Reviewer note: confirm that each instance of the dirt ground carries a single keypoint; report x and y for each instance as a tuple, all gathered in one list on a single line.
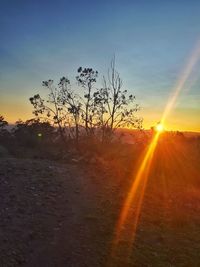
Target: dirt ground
[(61, 214), (48, 215)]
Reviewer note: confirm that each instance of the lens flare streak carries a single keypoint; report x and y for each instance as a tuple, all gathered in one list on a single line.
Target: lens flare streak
[(140, 180), (181, 82), (139, 183)]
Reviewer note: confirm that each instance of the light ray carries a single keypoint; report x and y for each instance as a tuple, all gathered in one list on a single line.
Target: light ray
[(181, 82), (139, 183)]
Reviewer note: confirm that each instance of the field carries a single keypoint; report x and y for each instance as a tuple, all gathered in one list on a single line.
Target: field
[(64, 213)]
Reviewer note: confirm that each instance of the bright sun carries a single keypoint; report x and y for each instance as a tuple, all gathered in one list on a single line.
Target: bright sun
[(159, 127)]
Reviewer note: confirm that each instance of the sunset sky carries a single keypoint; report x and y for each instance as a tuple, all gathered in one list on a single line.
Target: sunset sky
[(151, 40)]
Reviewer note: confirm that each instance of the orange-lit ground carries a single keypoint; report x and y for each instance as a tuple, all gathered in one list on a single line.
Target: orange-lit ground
[(165, 186), (135, 196)]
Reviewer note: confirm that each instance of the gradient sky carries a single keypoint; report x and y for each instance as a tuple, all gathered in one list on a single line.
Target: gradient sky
[(152, 41)]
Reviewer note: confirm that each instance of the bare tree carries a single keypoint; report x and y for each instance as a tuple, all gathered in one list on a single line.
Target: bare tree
[(117, 108)]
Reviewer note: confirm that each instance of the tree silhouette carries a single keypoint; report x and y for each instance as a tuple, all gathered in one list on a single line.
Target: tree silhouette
[(51, 108), (97, 110), (70, 101), (117, 108), (3, 122), (87, 78)]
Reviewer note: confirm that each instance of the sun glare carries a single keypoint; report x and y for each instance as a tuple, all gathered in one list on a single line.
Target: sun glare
[(159, 128)]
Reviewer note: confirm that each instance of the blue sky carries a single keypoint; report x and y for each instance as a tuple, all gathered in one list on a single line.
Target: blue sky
[(151, 40)]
